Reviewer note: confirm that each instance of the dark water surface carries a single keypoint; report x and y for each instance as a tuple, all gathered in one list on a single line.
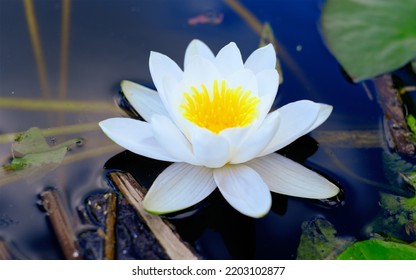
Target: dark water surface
[(80, 53)]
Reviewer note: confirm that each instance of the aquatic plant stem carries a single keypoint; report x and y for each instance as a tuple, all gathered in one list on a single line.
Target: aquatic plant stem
[(50, 105)]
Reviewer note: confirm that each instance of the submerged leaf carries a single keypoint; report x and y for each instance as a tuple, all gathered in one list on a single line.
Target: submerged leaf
[(370, 37), (378, 250), (396, 218), (32, 155), (319, 241)]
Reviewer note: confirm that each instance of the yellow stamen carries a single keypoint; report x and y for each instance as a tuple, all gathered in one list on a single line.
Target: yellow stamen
[(224, 108)]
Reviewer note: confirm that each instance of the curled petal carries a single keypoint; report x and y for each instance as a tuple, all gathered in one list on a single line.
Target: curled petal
[(324, 112), (244, 189), (197, 48), (261, 59), (178, 187), (296, 119), (135, 136), (285, 176), (144, 100), (228, 59)]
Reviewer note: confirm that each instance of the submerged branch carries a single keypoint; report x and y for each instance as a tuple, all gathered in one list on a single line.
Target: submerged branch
[(110, 227), (349, 139), (4, 251), (60, 224), (163, 231), (394, 120)]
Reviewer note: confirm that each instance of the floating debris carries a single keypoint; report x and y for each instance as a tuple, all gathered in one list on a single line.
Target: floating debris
[(33, 157), (209, 17)]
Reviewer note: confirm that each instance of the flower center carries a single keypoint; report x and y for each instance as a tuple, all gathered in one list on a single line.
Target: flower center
[(224, 108)]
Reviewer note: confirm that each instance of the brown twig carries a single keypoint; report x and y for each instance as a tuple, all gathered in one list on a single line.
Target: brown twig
[(394, 118), (60, 224), (110, 227), (163, 231), (4, 252)]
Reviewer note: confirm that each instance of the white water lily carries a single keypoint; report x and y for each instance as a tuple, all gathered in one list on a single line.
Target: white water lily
[(213, 121)]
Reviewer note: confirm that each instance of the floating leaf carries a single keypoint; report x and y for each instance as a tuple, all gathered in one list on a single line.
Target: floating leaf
[(319, 241), (370, 37), (378, 250), (32, 155)]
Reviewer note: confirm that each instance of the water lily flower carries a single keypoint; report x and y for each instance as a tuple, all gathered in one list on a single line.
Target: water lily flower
[(213, 121)]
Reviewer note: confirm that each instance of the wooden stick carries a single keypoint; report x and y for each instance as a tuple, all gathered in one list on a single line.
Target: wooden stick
[(394, 120), (60, 224), (4, 251), (163, 231), (110, 227)]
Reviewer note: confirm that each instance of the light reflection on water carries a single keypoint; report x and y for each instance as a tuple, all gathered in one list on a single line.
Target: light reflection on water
[(104, 42)]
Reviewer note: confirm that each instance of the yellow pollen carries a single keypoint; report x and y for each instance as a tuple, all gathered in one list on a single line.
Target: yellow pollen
[(224, 108)]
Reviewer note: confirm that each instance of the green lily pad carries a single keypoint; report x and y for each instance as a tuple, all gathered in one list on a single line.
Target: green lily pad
[(34, 157), (370, 37), (378, 250), (319, 241)]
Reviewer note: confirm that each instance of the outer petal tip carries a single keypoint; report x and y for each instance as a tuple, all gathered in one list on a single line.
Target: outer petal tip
[(244, 189), (178, 187)]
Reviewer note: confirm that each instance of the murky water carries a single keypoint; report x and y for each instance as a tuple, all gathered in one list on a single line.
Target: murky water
[(78, 51)]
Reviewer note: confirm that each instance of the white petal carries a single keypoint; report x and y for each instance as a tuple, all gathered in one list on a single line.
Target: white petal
[(261, 59), (244, 78), (161, 66), (135, 136), (268, 83), (144, 100), (258, 140), (228, 59), (288, 177), (199, 48), (211, 150), (295, 121), (324, 112), (172, 139), (200, 71), (244, 189), (178, 187)]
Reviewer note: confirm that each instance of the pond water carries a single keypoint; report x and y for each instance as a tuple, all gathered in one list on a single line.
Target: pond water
[(74, 54)]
